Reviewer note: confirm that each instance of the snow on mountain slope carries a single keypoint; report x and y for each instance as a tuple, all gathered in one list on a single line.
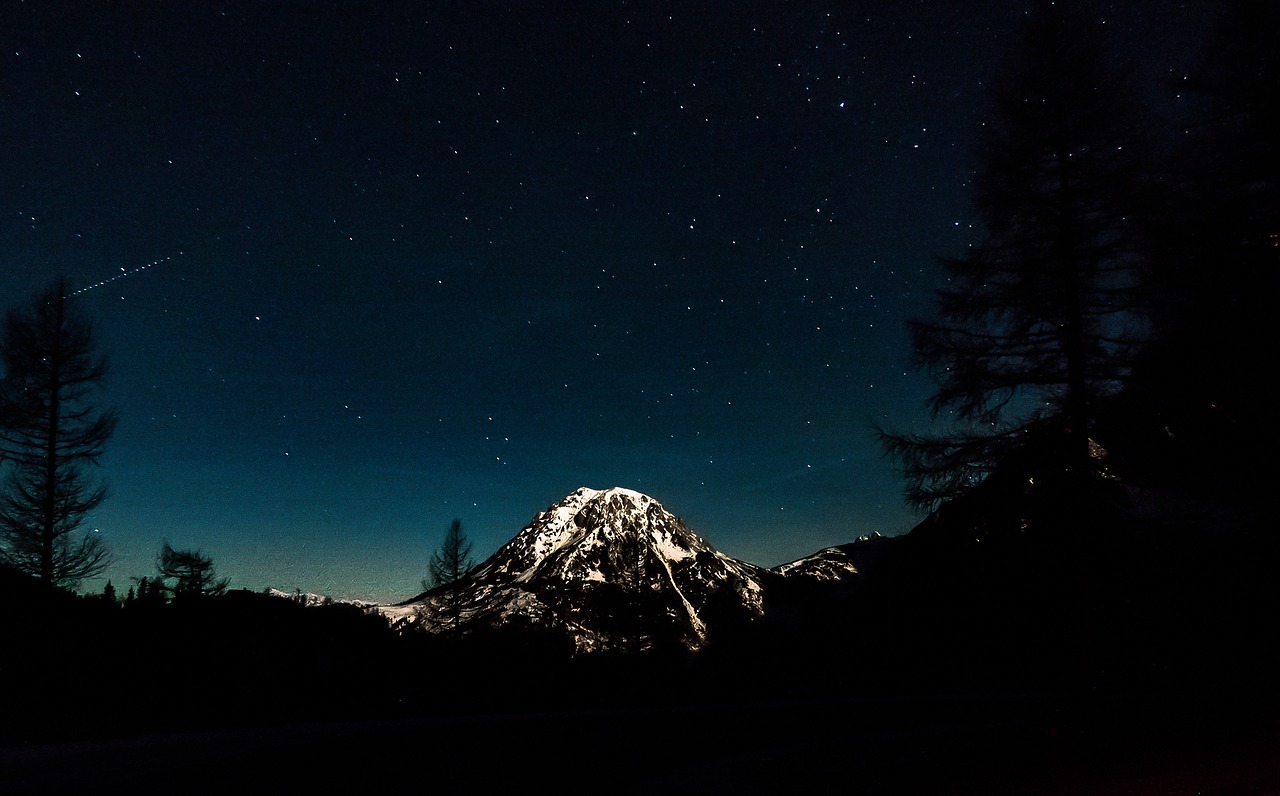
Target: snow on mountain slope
[(311, 599), (612, 567), (832, 563)]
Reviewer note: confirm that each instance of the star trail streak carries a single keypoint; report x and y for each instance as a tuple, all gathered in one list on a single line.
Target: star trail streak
[(122, 275)]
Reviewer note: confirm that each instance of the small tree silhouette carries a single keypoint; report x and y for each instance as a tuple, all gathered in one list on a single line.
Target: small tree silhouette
[(632, 558), (449, 563), (192, 573)]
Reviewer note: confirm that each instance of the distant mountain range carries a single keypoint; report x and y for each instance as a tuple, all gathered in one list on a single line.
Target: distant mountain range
[(612, 569), (311, 599)]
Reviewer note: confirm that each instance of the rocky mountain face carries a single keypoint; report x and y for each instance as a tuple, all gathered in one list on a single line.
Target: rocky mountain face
[(614, 570)]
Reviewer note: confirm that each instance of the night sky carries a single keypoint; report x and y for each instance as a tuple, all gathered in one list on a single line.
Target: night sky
[(381, 265)]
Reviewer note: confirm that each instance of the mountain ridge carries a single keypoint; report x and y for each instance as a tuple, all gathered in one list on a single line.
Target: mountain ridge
[(612, 569)]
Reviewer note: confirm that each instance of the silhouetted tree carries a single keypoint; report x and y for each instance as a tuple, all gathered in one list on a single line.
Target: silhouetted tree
[(52, 432), (149, 591), (192, 573), (632, 556), (1043, 317), (449, 563), (109, 593), (1218, 268)]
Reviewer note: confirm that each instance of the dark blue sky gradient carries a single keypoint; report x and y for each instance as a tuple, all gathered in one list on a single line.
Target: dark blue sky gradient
[(432, 263)]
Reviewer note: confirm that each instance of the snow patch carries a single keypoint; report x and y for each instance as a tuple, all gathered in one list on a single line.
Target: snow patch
[(667, 549)]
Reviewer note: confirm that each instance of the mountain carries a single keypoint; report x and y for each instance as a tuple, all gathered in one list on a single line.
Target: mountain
[(829, 564), (311, 599), (613, 569)]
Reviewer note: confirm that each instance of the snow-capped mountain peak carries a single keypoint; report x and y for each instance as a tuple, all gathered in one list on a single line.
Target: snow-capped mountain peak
[(605, 565), (582, 534), (612, 569)]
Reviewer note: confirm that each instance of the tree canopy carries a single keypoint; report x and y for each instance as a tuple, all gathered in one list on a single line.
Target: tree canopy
[(1043, 317), (53, 431), (192, 573)]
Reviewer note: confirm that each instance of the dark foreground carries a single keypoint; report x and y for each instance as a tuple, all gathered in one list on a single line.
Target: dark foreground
[(952, 745)]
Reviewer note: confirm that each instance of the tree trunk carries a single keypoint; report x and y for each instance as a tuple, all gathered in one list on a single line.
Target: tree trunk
[(48, 509)]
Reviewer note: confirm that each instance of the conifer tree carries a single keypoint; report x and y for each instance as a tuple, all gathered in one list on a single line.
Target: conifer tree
[(192, 573), (632, 558), (150, 591), (1206, 384), (1042, 318), (449, 563), (53, 430)]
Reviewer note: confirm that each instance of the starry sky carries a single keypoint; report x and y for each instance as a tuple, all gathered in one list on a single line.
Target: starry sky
[(362, 268)]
